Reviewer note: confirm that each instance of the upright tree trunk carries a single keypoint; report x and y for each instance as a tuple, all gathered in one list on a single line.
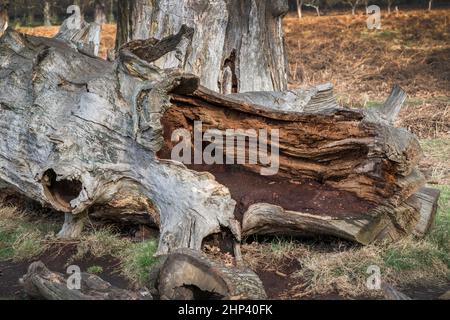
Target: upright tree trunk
[(430, 3), (47, 14), (299, 8), (317, 10), (4, 18), (235, 42), (353, 10), (111, 12), (100, 16)]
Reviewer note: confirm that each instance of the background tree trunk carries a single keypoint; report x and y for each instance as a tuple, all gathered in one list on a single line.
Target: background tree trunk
[(47, 14), (111, 11), (241, 36), (390, 6), (299, 9), (4, 18), (100, 15)]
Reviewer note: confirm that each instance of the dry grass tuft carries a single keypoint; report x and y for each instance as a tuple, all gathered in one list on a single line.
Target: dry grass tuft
[(20, 239)]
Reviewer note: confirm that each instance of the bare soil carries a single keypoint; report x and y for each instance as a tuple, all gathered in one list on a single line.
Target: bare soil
[(306, 196)]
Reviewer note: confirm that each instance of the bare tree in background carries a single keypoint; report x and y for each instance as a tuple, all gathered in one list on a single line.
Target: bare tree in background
[(430, 3), (390, 3), (299, 8), (47, 13), (314, 4), (4, 18), (366, 5), (100, 15), (111, 5), (353, 4)]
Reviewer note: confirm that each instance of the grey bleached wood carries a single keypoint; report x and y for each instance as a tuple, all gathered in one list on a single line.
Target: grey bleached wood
[(73, 225), (78, 133), (41, 283), (85, 36), (185, 271), (428, 198), (244, 36), (393, 104), (365, 228), (390, 293)]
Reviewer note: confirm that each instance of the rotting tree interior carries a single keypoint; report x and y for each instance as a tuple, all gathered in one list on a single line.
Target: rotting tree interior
[(307, 175), (60, 192)]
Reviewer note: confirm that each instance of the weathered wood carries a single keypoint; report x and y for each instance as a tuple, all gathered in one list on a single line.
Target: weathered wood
[(445, 296), (41, 283), (393, 104), (98, 137), (85, 36), (428, 198), (188, 274), (4, 18), (353, 151), (73, 225), (241, 36), (390, 293), (90, 142)]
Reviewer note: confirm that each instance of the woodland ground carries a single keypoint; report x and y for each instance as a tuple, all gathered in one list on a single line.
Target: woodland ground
[(413, 50)]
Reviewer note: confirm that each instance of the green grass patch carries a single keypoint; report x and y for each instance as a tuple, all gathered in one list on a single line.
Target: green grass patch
[(95, 269), (440, 234), (138, 259)]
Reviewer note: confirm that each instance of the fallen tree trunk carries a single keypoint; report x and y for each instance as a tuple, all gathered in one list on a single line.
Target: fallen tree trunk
[(41, 283), (189, 275), (79, 133)]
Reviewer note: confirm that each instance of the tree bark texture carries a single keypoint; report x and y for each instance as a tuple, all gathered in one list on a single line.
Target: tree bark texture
[(236, 41)]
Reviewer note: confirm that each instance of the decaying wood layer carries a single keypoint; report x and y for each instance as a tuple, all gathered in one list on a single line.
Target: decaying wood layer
[(81, 133), (41, 283), (237, 45), (353, 151), (188, 275)]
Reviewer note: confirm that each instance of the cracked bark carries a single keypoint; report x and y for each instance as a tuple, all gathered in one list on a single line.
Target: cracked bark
[(247, 38)]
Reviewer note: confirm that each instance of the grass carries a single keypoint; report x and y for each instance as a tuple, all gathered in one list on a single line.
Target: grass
[(95, 269), (138, 259), (135, 258), (437, 149), (20, 239), (23, 239)]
